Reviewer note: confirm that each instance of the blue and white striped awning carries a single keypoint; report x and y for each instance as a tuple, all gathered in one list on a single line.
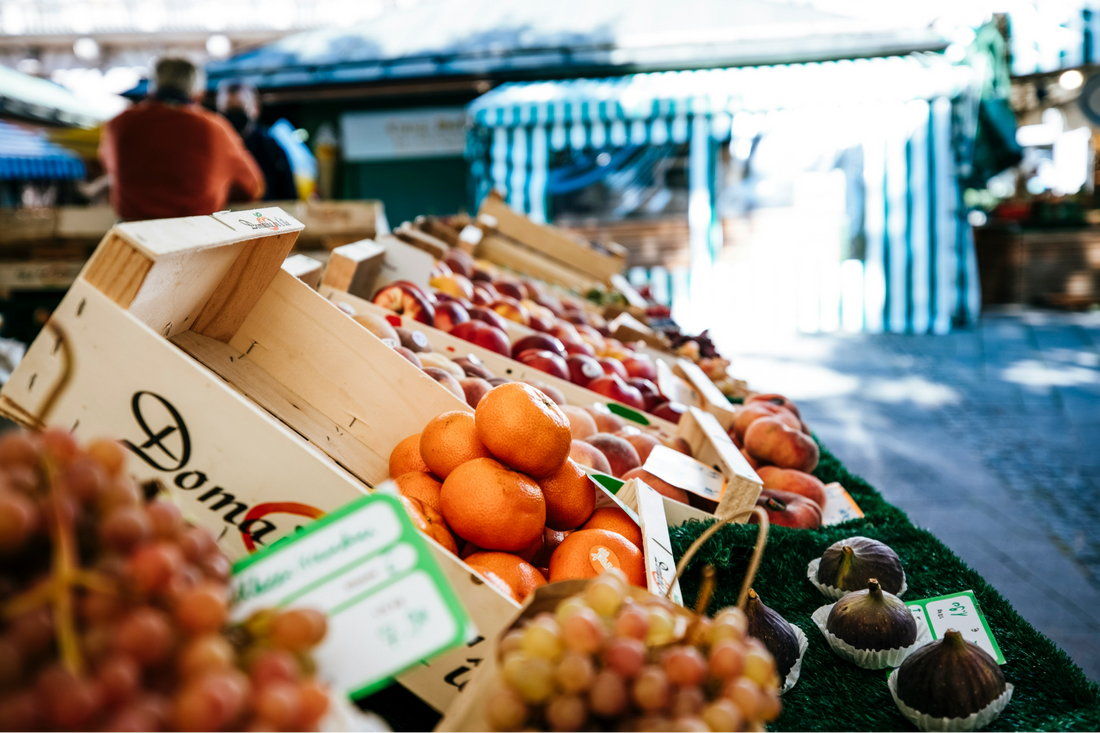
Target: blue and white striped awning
[(27, 156)]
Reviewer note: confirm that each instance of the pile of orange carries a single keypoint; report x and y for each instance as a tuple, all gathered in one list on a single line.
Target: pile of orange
[(499, 484)]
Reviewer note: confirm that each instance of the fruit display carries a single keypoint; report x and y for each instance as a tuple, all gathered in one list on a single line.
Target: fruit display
[(871, 628), (948, 681), (116, 610), (500, 488), (790, 510), (607, 657), (848, 565)]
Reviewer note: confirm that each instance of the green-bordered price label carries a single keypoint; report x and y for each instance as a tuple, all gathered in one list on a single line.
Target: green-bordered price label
[(959, 611), (389, 605)]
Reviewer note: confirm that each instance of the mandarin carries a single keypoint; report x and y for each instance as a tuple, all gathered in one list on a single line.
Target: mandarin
[(570, 496), (430, 522), (494, 507), (420, 485), (521, 576), (523, 428), (529, 553), (614, 519), (449, 440), (588, 552), (406, 457)]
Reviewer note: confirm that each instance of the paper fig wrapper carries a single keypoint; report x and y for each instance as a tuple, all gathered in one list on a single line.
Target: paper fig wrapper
[(978, 720), (803, 644), (869, 658), (836, 593)]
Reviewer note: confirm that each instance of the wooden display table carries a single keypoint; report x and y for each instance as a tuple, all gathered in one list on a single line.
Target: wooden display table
[(1052, 267)]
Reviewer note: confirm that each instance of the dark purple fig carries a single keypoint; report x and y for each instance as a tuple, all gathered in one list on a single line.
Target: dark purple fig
[(772, 629), (850, 563), (871, 619), (949, 678)]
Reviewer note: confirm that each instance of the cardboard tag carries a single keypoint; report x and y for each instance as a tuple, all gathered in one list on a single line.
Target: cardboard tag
[(660, 565), (388, 603), (959, 611), (272, 219), (404, 262), (685, 472), (676, 388), (839, 506)]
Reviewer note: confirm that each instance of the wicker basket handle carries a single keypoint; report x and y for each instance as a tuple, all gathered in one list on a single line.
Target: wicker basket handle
[(754, 564)]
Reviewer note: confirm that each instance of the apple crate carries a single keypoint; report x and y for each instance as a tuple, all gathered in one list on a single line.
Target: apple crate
[(257, 404)]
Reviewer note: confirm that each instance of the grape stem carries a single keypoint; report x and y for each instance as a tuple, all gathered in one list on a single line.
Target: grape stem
[(65, 569)]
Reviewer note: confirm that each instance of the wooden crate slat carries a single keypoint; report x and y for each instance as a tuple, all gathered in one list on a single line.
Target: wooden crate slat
[(501, 251), (354, 267), (117, 270)]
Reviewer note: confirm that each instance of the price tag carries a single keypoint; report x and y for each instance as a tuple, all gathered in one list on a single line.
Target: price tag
[(959, 611), (685, 472), (388, 604), (660, 565), (839, 506)]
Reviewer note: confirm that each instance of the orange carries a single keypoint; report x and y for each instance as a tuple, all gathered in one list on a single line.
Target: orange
[(498, 582), (529, 553), (521, 576), (523, 428), (588, 552), (448, 441), (614, 519), (494, 507), (420, 485), (570, 496), (406, 457), (429, 521)]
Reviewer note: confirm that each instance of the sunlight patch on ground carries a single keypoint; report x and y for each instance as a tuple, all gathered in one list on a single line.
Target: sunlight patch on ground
[(917, 390), (1034, 373)]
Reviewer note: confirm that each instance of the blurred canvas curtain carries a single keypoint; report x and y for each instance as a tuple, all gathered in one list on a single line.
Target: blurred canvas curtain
[(919, 273)]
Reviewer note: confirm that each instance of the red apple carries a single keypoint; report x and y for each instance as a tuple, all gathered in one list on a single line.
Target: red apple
[(484, 335), (650, 394), (789, 510), (670, 411), (612, 387), (538, 341), (640, 365), (612, 366), (579, 347), (511, 309), (510, 288), (406, 299), (449, 314), (583, 369), (544, 361), (479, 313)]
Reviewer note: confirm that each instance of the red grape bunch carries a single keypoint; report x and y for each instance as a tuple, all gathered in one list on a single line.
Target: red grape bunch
[(604, 661), (114, 611)]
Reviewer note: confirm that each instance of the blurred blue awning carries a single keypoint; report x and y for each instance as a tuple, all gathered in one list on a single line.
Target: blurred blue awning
[(26, 156)]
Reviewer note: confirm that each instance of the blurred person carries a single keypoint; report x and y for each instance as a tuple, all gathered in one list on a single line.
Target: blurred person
[(240, 103), (169, 157)]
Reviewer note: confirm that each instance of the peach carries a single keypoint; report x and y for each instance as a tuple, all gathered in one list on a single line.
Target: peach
[(448, 315), (579, 347), (484, 335), (678, 444), (754, 411), (644, 443), (618, 451), (583, 369), (447, 380), (510, 288), (662, 487), (770, 440), (796, 482), (482, 295), (474, 388), (651, 394), (614, 388), (414, 341), (756, 465), (589, 455), (776, 399), (377, 325), (549, 390), (459, 261), (671, 411), (511, 309), (409, 354), (565, 331), (581, 423), (606, 422), (405, 299), (457, 285), (489, 316), (544, 361), (434, 359), (540, 342), (612, 366), (641, 366), (473, 366)]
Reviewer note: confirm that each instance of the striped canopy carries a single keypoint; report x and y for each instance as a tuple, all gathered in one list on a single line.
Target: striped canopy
[(906, 113), (26, 156)]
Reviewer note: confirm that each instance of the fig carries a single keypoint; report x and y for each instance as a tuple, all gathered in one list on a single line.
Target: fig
[(872, 619), (772, 629), (949, 678), (849, 564)]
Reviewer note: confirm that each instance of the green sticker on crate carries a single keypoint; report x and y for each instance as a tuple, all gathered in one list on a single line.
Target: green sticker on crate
[(388, 603)]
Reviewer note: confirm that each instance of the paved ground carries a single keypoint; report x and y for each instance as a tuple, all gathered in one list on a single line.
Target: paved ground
[(989, 437)]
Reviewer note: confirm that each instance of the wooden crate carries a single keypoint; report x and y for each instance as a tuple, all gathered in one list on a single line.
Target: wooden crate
[(254, 401), (563, 248)]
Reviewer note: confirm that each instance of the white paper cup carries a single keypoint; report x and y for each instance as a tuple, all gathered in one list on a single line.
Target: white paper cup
[(836, 593), (803, 644), (980, 719), (869, 658)]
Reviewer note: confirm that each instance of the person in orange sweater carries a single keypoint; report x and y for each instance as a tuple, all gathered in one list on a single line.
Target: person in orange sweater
[(167, 156)]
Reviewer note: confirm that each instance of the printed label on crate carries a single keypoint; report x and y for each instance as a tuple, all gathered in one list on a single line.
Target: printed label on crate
[(685, 472), (388, 604), (959, 611), (272, 219), (660, 565), (839, 506)]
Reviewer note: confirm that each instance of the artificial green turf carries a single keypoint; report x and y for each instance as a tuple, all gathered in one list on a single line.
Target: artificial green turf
[(1051, 692)]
